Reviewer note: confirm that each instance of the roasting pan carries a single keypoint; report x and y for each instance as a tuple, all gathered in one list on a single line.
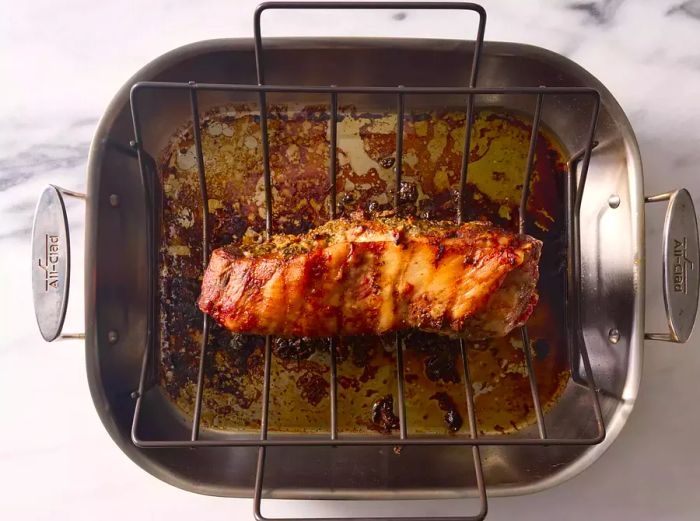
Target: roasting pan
[(611, 298)]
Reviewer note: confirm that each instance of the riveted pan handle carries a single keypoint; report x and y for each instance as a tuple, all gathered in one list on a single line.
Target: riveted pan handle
[(681, 265), (51, 262)]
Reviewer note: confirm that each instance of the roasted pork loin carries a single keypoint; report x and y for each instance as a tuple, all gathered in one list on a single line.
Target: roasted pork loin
[(372, 276)]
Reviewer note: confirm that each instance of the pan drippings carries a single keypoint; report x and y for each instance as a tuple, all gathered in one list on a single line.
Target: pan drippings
[(434, 379)]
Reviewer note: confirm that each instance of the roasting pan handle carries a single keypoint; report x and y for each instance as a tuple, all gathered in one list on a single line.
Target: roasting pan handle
[(351, 5), (681, 265), (51, 262)]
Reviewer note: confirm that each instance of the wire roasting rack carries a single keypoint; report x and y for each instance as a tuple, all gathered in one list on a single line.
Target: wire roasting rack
[(576, 179)]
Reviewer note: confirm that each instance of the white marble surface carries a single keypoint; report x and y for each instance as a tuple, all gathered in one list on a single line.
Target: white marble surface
[(60, 64)]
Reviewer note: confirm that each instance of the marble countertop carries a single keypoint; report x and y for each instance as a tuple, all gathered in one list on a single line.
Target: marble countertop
[(61, 62)]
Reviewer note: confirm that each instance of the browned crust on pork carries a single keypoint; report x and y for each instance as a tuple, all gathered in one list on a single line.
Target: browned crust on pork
[(372, 276)]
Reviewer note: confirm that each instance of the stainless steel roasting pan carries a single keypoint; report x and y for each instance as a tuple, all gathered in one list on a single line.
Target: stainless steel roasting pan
[(613, 273)]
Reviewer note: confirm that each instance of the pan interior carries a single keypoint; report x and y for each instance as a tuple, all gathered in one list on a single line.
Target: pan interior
[(366, 156)]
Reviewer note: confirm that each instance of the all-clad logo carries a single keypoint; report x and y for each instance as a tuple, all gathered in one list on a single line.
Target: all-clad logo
[(681, 265), (50, 261)]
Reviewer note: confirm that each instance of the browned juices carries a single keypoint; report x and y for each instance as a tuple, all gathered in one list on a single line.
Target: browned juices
[(299, 398)]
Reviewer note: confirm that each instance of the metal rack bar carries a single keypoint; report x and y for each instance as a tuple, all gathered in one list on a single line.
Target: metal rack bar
[(333, 210), (478, 517), (398, 344), (600, 424), (464, 169), (539, 414), (267, 177), (260, 468), (377, 441), (572, 258), (534, 134), (521, 228), (403, 428), (571, 303), (194, 103), (333, 156), (328, 89), (525, 196), (399, 149), (334, 390), (466, 150), (469, 119), (266, 390), (141, 155), (468, 390), (473, 428)]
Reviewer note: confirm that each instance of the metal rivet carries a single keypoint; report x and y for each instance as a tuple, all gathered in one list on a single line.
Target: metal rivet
[(614, 201), (114, 200), (112, 337), (132, 143), (614, 336), (134, 395)]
